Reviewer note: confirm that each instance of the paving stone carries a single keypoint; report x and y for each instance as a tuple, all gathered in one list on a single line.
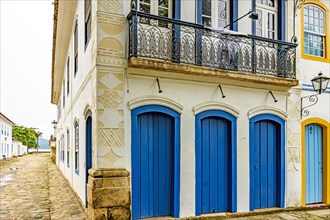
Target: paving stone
[(32, 187)]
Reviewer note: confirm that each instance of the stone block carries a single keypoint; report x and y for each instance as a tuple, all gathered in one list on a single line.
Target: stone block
[(97, 214), (109, 197), (119, 213), (108, 182), (106, 172)]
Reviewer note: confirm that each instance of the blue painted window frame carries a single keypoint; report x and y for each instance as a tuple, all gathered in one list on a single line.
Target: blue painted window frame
[(135, 161), (233, 120), (281, 122)]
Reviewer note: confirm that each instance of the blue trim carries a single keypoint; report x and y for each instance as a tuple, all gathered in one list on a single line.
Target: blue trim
[(281, 122), (177, 10), (282, 20), (254, 22), (88, 151), (198, 142), (234, 14), (136, 155), (199, 7)]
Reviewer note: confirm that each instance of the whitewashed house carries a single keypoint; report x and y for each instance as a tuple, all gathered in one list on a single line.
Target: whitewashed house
[(17, 148), (6, 149), (162, 112)]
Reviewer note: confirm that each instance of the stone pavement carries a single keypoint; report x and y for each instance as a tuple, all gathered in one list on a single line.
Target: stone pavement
[(29, 189)]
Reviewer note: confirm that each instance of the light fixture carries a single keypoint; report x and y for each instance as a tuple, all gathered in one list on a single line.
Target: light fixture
[(320, 84), (54, 123), (252, 14)]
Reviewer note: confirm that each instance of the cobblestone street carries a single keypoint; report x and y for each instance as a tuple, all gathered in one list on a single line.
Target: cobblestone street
[(31, 187)]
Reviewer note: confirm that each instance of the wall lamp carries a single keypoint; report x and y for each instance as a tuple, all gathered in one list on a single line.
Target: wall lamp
[(252, 14), (320, 84)]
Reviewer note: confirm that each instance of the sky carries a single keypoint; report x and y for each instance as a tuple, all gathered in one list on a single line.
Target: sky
[(26, 29)]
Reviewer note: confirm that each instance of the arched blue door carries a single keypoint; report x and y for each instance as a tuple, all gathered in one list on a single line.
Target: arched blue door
[(267, 161), (266, 166), (88, 149), (155, 153), (313, 139), (215, 162), (215, 165)]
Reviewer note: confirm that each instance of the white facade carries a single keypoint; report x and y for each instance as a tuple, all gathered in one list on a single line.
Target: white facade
[(6, 149), (108, 86)]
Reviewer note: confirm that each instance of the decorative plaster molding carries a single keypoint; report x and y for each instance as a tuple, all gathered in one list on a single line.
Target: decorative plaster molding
[(215, 106), (87, 111), (155, 100), (267, 110)]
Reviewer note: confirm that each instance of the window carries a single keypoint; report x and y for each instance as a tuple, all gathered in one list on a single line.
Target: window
[(68, 76), (76, 48), (62, 148), (314, 30), (156, 7), (68, 148), (87, 20), (63, 93), (76, 147), (215, 13), (266, 25), (1, 129)]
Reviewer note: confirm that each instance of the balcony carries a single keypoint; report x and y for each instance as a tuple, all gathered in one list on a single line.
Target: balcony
[(158, 38)]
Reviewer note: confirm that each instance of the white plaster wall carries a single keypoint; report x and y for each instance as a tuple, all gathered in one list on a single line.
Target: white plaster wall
[(190, 94), (81, 92)]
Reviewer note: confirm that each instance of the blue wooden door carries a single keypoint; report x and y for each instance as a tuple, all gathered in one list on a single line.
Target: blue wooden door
[(156, 173), (215, 150), (266, 164), (313, 143), (88, 148)]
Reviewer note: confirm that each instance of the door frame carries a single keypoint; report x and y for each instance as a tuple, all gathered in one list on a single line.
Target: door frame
[(198, 129), (326, 160), (281, 122), (135, 152)]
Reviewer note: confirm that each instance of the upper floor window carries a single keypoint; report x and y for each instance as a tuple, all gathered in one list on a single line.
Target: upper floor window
[(314, 30), (68, 76), (76, 147), (215, 13), (266, 25), (87, 20), (68, 148), (156, 7), (75, 50)]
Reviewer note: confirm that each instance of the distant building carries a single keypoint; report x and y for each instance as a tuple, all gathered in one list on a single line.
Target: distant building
[(7, 148)]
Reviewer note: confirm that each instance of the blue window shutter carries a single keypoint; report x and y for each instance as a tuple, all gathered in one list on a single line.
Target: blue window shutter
[(281, 20), (177, 9), (199, 6), (233, 14)]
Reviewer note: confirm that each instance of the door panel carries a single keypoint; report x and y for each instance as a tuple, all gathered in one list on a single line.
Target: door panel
[(266, 164), (313, 138), (216, 181), (156, 146)]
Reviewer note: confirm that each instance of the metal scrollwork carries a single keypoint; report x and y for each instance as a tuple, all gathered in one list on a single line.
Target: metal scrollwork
[(182, 42), (312, 99)]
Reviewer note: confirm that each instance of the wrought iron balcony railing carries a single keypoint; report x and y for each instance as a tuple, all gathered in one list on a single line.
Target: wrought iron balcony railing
[(162, 38)]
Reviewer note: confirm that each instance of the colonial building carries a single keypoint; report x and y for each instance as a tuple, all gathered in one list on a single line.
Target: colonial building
[(313, 57), (164, 112), (6, 149)]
